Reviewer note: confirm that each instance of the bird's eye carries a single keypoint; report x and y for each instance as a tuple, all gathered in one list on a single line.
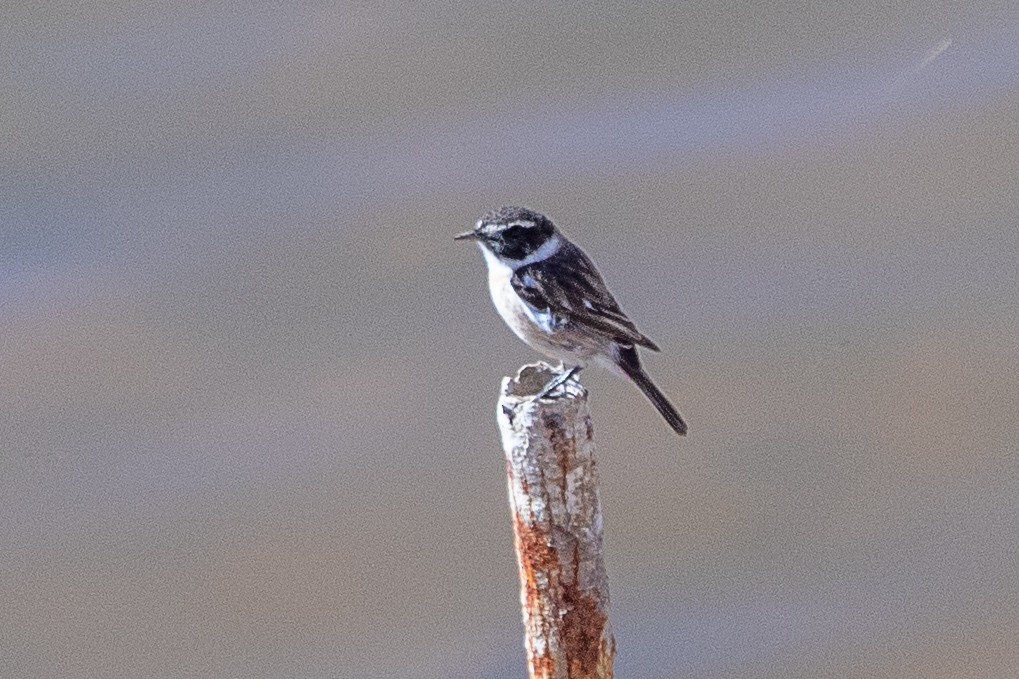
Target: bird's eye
[(513, 232)]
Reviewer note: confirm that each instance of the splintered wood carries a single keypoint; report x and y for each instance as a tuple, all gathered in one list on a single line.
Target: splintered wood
[(557, 524)]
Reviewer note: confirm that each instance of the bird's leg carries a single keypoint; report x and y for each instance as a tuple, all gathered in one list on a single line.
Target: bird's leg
[(558, 380)]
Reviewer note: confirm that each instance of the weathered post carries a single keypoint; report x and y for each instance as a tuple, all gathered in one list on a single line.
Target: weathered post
[(557, 524)]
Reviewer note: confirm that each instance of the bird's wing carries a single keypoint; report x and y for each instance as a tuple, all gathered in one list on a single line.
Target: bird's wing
[(568, 285)]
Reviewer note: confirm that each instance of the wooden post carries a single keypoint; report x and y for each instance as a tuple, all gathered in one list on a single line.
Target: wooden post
[(557, 524)]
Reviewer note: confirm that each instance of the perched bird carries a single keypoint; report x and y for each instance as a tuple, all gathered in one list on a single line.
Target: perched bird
[(552, 296)]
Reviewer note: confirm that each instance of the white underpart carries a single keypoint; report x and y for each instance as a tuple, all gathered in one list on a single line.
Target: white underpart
[(507, 302)]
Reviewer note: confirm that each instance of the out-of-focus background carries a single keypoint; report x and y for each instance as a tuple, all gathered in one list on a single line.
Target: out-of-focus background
[(247, 380)]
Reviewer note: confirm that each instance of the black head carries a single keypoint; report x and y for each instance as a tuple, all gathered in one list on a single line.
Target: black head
[(512, 232)]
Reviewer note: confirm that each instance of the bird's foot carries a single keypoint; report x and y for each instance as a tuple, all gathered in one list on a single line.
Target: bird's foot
[(558, 381)]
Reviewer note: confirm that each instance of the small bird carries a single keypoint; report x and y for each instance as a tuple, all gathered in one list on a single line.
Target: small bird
[(552, 297)]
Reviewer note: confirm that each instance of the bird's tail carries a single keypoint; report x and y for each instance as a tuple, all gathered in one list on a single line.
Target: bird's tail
[(629, 363)]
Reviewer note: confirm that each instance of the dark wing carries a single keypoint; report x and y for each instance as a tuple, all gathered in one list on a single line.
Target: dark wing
[(568, 285)]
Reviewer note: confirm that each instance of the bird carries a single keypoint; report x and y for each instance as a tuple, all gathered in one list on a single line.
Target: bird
[(551, 295)]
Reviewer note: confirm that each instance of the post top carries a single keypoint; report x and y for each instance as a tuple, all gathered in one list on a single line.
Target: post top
[(533, 377)]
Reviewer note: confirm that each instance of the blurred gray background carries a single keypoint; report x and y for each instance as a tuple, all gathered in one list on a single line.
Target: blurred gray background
[(247, 380)]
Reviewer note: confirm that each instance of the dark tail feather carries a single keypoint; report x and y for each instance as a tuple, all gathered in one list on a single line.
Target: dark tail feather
[(630, 364)]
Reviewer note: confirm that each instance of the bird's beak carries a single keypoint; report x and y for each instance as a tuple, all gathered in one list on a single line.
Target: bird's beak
[(467, 235)]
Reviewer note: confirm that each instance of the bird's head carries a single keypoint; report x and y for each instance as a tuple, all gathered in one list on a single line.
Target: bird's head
[(512, 233)]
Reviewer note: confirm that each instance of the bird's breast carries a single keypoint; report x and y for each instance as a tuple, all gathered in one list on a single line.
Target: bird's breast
[(536, 327)]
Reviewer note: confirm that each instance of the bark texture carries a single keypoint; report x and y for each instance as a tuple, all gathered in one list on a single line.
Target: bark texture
[(557, 523)]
